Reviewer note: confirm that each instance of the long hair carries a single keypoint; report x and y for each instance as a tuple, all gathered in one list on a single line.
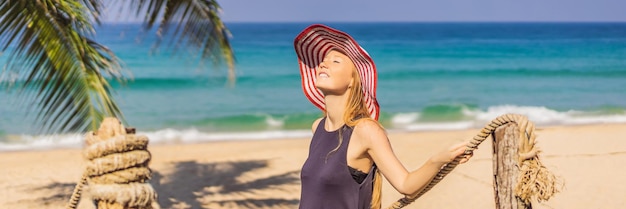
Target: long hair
[(356, 110)]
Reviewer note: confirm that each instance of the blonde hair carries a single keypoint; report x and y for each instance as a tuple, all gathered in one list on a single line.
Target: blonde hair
[(356, 110)]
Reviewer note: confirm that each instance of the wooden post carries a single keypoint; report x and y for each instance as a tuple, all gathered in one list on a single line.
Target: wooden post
[(506, 168)]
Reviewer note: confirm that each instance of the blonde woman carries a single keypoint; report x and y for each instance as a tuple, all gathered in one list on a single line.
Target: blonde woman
[(350, 150)]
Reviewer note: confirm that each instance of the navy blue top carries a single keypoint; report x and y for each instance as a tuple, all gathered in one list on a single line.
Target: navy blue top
[(327, 182)]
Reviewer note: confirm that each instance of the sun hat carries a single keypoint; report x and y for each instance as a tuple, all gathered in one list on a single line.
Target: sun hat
[(313, 43)]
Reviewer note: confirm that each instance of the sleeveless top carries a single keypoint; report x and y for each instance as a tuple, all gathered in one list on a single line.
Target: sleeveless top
[(327, 182)]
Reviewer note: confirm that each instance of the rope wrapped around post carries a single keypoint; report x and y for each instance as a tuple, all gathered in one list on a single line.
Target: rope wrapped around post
[(117, 169), (534, 181)]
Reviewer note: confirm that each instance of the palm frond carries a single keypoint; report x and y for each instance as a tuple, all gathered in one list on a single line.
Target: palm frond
[(65, 72), (196, 24)]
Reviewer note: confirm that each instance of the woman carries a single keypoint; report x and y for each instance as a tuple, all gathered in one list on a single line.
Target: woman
[(350, 149)]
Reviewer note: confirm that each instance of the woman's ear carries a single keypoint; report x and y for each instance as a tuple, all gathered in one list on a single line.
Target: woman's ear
[(354, 72)]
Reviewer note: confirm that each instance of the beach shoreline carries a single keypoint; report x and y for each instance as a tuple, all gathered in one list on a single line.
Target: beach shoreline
[(265, 173)]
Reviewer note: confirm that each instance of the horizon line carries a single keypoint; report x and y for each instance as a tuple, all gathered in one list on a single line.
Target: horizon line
[(398, 21)]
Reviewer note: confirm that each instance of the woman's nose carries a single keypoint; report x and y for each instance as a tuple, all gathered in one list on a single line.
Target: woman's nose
[(323, 65)]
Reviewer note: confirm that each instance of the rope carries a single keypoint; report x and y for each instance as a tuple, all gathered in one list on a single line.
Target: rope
[(77, 192), (534, 181), (117, 168)]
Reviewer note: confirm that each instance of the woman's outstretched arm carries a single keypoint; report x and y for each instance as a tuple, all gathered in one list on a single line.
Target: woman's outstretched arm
[(378, 147)]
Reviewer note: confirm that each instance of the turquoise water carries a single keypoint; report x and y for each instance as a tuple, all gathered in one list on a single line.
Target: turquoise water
[(432, 76)]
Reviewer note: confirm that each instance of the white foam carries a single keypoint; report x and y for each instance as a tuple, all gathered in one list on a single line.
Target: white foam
[(478, 118), (274, 122), (404, 118), (401, 121), (30, 142), (165, 136), (539, 115), (193, 135)]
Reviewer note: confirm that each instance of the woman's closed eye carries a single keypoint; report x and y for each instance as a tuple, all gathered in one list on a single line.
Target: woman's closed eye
[(336, 59)]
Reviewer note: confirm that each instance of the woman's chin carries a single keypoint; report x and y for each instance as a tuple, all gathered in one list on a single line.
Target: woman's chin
[(332, 91), (326, 88)]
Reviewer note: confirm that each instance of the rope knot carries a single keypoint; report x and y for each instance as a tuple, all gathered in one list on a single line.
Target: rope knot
[(117, 168), (534, 180)]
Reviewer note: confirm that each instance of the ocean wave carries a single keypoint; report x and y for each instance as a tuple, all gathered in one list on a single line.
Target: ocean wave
[(193, 135), (9, 142), (165, 136), (268, 126), (254, 122), (451, 117)]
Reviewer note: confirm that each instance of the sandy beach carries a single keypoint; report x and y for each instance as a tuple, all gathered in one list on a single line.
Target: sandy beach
[(265, 173)]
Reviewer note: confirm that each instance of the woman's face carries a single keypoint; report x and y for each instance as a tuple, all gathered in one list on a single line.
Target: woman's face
[(334, 73)]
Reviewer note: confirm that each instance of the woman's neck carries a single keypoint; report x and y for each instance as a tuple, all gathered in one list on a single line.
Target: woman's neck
[(335, 109)]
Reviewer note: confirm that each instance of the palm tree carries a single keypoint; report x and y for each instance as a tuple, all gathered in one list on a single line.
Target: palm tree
[(66, 74)]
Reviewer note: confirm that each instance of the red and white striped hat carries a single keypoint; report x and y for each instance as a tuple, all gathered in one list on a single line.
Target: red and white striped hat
[(313, 43)]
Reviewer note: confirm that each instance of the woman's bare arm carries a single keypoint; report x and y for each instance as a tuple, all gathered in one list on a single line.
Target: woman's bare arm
[(374, 138)]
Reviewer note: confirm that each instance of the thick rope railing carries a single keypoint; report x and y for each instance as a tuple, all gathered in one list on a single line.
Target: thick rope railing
[(117, 168), (534, 181)]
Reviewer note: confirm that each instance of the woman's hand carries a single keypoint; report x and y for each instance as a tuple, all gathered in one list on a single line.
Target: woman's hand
[(451, 153)]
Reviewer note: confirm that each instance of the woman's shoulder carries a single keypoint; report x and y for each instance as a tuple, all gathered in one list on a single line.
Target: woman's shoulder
[(315, 124), (368, 127), (369, 133)]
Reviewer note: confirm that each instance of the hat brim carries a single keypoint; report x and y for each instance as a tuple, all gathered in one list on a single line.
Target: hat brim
[(313, 43)]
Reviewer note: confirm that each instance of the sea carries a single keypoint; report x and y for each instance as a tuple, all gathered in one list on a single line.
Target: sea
[(431, 76)]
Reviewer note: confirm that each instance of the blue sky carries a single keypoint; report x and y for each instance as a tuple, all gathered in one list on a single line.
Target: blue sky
[(419, 10)]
